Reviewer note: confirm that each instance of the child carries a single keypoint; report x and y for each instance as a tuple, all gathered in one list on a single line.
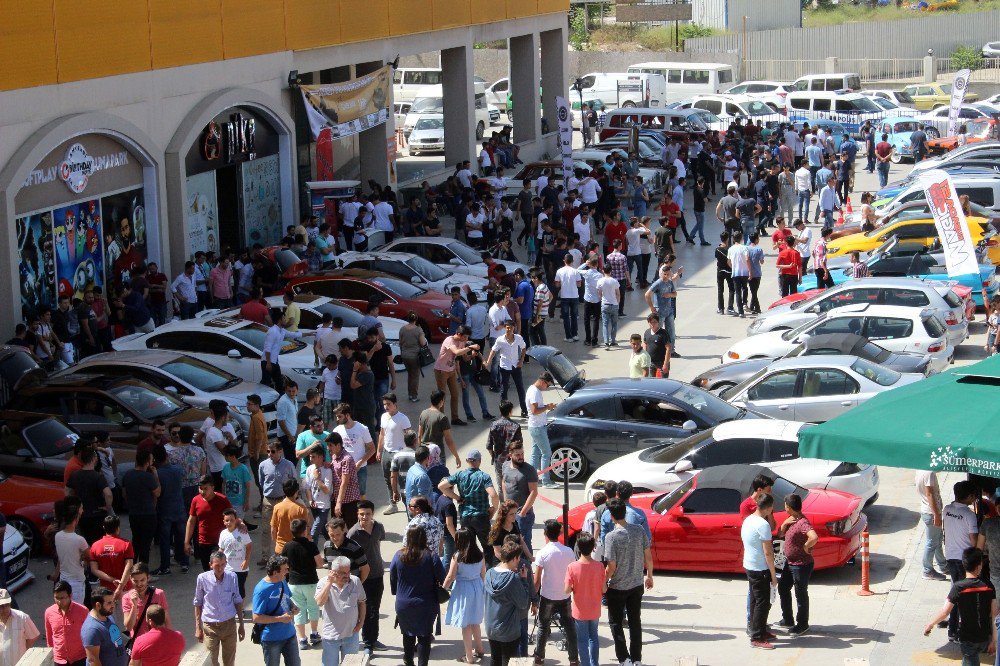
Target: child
[(330, 385), (236, 544), (586, 582), (236, 480), (319, 487), (992, 326), (591, 518)]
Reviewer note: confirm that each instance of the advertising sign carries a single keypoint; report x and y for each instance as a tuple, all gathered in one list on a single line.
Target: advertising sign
[(952, 227), (565, 136), (37, 266), (202, 212), (349, 107), (262, 201), (125, 242), (958, 87), (79, 253)]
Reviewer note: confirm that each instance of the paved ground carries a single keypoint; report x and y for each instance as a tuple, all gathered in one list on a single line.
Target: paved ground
[(700, 615)]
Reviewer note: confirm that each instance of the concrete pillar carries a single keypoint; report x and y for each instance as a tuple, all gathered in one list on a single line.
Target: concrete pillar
[(831, 66), (457, 74), (554, 78), (929, 74), (373, 163), (525, 74)]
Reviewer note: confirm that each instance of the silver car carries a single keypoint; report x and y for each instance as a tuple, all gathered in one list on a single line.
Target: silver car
[(815, 389), (192, 380), (907, 292)]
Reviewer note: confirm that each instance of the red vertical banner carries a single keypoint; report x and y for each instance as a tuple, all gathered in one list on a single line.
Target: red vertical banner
[(324, 155)]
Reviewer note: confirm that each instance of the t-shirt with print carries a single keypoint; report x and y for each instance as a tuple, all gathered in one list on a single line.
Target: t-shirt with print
[(111, 554), (587, 579), (755, 532), (356, 438), (234, 545), (974, 599), (107, 636), (625, 546), (234, 480), (959, 524)]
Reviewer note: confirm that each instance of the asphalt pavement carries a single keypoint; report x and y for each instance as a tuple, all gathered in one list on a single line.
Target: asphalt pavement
[(685, 614)]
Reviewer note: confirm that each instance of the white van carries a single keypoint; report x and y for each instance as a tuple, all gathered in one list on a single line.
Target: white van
[(687, 79), (621, 90), (409, 83), (849, 109), (829, 82), (729, 107)]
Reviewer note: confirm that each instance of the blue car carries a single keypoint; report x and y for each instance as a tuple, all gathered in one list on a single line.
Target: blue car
[(898, 129), (831, 127)]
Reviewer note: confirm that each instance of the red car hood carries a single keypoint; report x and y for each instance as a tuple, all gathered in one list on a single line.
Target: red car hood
[(39, 489), (435, 299)]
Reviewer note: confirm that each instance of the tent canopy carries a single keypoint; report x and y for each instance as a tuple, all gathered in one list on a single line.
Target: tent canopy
[(946, 423)]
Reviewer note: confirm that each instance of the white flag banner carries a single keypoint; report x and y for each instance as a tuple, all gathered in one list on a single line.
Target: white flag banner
[(952, 227), (958, 87), (565, 136)]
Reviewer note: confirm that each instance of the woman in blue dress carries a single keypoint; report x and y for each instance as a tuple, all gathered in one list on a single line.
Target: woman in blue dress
[(468, 601), (413, 578)]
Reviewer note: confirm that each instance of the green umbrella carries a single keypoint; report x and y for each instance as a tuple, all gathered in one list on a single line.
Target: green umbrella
[(946, 423)]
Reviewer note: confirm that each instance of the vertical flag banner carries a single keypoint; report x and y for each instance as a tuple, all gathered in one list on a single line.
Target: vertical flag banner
[(565, 136), (952, 227), (958, 87)]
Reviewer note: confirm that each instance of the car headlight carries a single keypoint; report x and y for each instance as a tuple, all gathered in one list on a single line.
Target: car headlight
[(733, 355), (439, 313), (309, 372), (701, 382)]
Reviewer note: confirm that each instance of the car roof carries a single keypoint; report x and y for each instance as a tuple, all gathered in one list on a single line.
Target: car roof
[(375, 254), (357, 273), (871, 310), (766, 428), (148, 357), (80, 380), (814, 361), (898, 119), (737, 477), (426, 240), (654, 385), (886, 281), (219, 323), (846, 342)]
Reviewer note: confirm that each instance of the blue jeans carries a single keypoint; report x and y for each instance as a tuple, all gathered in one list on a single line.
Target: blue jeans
[(319, 524), (933, 551), (381, 387), (541, 452), (336, 649), (570, 308), (525, 525), (478, 388), (171, 533), (609, 322), (586, 642), (749, 226), (449, 549), (275, 650), (363, 479), (804, 197), (883, 174), (699, 226), (828, 219)]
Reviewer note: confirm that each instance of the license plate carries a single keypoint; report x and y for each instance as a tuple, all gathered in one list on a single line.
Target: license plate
[(17, 567)]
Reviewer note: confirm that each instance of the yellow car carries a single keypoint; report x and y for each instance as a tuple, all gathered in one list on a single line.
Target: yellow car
[(920, 230), (927, 96)]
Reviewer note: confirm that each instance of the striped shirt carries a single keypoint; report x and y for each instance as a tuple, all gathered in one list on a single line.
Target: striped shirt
[(859, 270)]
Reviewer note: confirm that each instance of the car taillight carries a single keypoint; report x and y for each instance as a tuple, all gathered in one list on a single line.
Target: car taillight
[(838, 527), (733, 355), (781, 93), (993, 242), (936, 347), (951, 318)]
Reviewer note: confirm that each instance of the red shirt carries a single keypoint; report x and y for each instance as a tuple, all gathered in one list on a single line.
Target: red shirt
[(587, 579), (159, 647), (883, 149), (671, 211), (615, 231), (157, 279), (254, 311), (208, 514), (790, 256), (780, 235), (149, 444), (71, 466), (62, 632), (747, 506), (111, 553)]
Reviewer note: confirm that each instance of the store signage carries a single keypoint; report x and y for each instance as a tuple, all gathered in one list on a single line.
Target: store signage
[(240, 135), (76, 168)]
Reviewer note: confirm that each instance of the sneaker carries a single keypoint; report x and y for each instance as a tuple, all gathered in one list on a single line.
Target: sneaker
[(414, 398), (539, 661), (761, 645), (769, 636), (458, 422), (488, 417), (730, 311), (379, 645), (568, 339), (314, 639), (471, 419), (786, 624), (798, 631), (706, 245), (576, 338), (303, 644), (934, 575), (627, 662), (391, 509), (720, 311)]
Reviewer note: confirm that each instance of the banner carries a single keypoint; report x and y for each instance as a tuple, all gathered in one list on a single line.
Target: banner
[(958, 87), (324, 155), (124, 234), (952, 227), (78, 250), (37, 267), (565, 136), (262, 201), (202, 213), (350, 107)]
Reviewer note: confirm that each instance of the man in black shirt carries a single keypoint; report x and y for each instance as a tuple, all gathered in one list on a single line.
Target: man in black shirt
[(977, 608), (381, 364), (95, 495), (303, 559), (339, 545), (657, 343), (307, 411)]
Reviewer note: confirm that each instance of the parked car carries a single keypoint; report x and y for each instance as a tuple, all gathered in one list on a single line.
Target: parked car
[(905, 329), (123, 407), (397, 297), (898, 97), (913, 229), (976, 179), (230, 343), (18, 368), (284, 263), (28, 504), (427, 135), (696, 527), (649, 152), (913, 209), (771, 93), (989, 149), (606, 418), (450, 254), (934, 95), (496, 92), (964, 294), (191, 379), (730, 107), (414, 268), (35, 444), (16, 552), (730, 374), (977, 131), (936, 122), (815, 389), (898, 130), (769, 442), (890, 107)]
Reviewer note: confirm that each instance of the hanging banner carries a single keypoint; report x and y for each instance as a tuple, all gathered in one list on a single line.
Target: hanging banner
[(124, 232), (324, 154), (958, 87), (565, 136), (202, 213), (262, 201), (952, 227), (350, 107), (37, 268), (78, 250)]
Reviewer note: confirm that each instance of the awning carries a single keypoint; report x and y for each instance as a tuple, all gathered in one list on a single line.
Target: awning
[(949, 422)]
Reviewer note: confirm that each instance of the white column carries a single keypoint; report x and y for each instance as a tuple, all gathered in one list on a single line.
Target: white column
[(554, 78), (373, 164), (457, 74), (525, 75)]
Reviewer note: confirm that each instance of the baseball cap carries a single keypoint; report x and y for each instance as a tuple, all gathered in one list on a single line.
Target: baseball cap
[(474, 456), (5, 598)]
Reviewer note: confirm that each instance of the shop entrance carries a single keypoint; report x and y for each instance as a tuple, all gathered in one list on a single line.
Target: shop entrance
[(227, 181)]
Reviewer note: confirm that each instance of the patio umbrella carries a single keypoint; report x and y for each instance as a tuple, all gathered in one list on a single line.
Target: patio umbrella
[(945, 423)]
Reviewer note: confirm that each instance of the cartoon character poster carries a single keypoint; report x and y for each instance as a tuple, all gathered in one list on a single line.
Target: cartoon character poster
[(78, 253), (124, 234), (37, 268)]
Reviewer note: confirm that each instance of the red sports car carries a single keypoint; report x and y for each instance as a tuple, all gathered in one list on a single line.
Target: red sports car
[(398, 297), (962, 291), (697, 526), (28, 505)]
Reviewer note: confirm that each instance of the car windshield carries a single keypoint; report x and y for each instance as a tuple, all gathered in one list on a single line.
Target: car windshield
[(254, 334), (908, 126), (879, 374), (50, 438), (886, 104), (793, 333), (866, 104), (427, 270), (880, 354), (758, 108), (350, 316), (946, 88), (401, 288), (429, 124), (708, 116), (200, 375), (667, 502), (562, 368), (712, 408), (783, 488), (16, 366), (465, 253), (904, 97), (428, 105), (697, 124), (146, 401), (667, 454), (286, 259)]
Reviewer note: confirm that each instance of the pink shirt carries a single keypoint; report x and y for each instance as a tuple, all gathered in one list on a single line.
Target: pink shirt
[(220, 282), (62, 632), (587, 579), (158, 598), (446, 357)]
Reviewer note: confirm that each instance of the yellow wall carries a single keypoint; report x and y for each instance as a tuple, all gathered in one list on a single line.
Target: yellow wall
[(56, 41)]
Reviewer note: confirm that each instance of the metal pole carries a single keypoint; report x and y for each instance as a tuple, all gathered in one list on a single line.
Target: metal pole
[(565, 506)]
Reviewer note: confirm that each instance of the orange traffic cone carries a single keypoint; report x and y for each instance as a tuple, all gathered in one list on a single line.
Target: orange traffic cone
[(840, 218), (849, 209)]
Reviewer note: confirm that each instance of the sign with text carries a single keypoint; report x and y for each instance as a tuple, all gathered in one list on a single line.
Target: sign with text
[(349, 107), (952, 227), (565, 136)]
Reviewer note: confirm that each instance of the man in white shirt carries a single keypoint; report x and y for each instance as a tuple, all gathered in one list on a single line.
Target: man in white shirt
[(633, 249), (609, 291), (498, 314), (184, 290), (758, 562), (485, 162), (393, 425), (509, 350), (794, 141), (568, 283), (474, 223), (270, 365), (582, 225), (930, 514), (803, 189), (385, 218), (803, 242), (739, 263), (358, 442), (961, 531), (551, 564), (681, 168), (591, 301), (589, 191), (542, 182), (464, 175), (729, 167), (541, 449)]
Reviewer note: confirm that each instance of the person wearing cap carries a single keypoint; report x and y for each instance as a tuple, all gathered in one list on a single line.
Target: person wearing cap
[(541, 449), (477, 498), (17, 631), (63, 621)]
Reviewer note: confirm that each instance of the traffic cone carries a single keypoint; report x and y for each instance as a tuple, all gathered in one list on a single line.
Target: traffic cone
[(840, 218), (850, 210)]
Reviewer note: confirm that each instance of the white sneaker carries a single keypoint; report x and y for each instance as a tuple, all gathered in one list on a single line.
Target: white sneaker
[(391, 509), (627, 662)]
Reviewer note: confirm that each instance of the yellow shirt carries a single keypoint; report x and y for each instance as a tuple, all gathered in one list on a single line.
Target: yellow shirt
[(637, 363), (292, 316)]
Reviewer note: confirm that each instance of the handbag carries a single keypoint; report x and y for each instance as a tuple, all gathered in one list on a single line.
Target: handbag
[(142, 616), (443, 595), (259, 628), (424, 356)]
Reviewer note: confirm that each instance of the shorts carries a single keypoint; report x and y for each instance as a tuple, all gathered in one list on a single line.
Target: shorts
[(302, 597)]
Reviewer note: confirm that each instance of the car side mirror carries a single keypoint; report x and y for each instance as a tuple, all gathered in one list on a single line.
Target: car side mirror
[(813, 310), (234, 353), (455, 261), (690, 425), (128, 421), (416, 280), (171, 389), (677, 511), (683, 465), (26, 454)]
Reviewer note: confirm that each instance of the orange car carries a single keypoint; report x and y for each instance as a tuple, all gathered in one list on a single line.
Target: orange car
[(980, 129), (28, 505)]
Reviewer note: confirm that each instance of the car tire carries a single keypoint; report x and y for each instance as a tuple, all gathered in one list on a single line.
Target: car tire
[(510, 116), (28, 532), (932, 133), (577, 466), (628, 105), (895, 158), (480, 130)]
